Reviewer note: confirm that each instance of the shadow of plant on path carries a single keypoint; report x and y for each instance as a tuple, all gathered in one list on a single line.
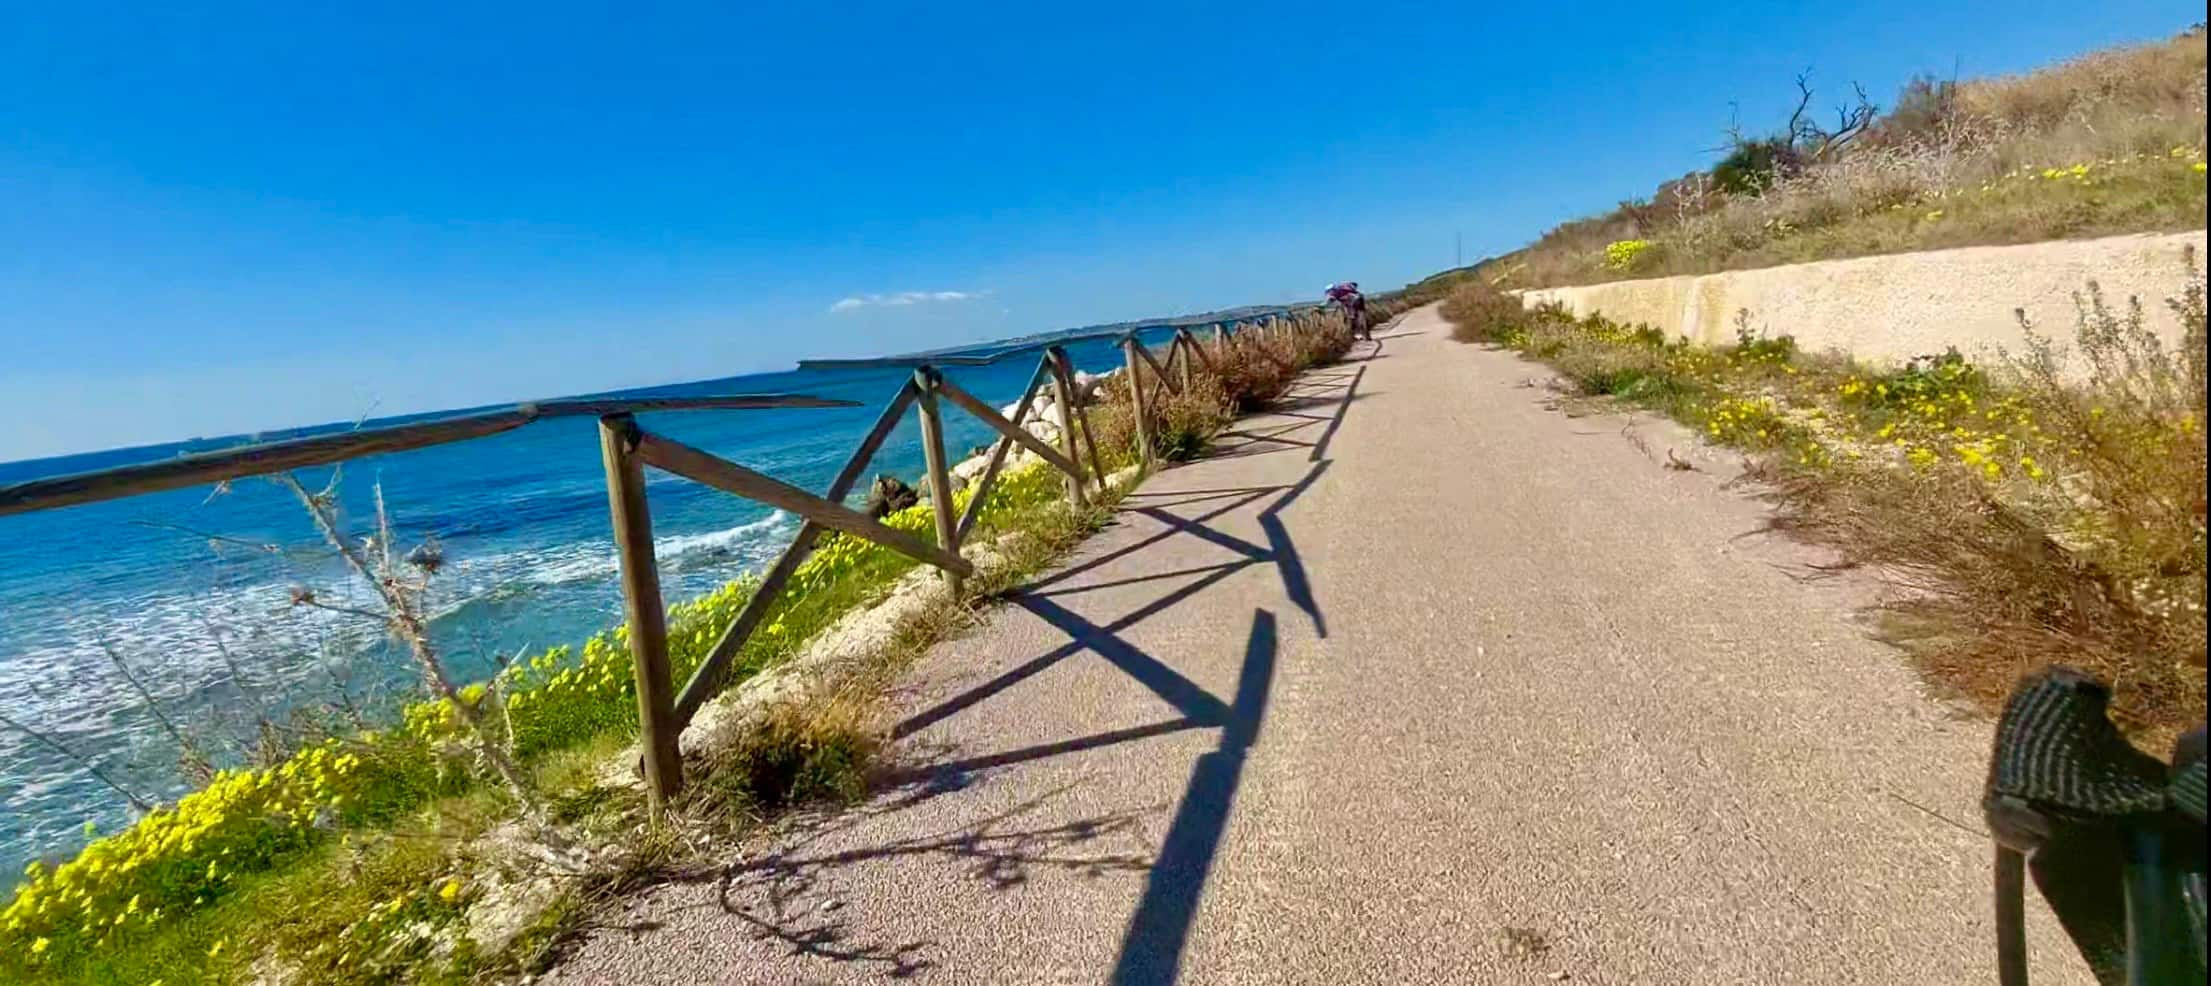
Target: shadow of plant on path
[(778, 893)]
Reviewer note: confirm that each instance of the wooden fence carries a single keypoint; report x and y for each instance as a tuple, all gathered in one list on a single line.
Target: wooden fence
[(664, 711)]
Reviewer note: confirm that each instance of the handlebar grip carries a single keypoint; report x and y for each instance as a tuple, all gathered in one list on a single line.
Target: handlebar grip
[(2096, 820), (2057, 753)]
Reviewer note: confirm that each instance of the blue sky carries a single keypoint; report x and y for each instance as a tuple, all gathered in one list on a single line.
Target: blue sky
[(229, 218)]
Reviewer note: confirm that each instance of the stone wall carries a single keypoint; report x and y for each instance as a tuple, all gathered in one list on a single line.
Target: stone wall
[(1888, 309)]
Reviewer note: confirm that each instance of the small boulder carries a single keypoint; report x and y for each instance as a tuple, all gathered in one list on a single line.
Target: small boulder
[(890, 495), (1037, 406), (1086, 386)]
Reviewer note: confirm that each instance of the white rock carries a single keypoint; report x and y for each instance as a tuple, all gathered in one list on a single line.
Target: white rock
[(1086, 386), (1040, 408)]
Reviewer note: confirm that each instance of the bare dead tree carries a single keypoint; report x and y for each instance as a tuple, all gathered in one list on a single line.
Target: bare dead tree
[(401, 594), (1803, 140), (1815, 142)]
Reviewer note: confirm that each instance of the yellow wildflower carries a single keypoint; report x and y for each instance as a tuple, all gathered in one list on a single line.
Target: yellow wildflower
[(451, 891)]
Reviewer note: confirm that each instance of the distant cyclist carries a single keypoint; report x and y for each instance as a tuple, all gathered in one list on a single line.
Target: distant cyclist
[(1354, 307)]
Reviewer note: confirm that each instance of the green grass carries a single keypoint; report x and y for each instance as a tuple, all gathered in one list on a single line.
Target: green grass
[(326, 913), (2153, 194), (307, 912)]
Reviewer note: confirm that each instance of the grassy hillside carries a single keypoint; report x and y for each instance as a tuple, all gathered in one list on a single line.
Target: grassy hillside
[(2043, 507), (2111, 142)]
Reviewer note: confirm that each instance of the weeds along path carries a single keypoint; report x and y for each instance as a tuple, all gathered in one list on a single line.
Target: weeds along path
[(1413, 680)]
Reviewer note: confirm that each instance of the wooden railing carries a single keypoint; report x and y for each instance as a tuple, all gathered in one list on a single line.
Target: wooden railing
[(626, 448)]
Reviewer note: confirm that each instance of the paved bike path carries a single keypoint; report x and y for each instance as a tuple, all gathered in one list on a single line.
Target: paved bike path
[(1416, 680)]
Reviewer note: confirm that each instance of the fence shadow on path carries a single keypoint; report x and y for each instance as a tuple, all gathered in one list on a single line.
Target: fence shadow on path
[(1151, 948), (1152, 945), (1105, 640), (1198, 709)]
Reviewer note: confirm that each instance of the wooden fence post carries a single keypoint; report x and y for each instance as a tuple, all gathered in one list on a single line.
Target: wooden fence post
[(707, 680), (1056, 357), (648, 622), (1065, 395), (940, 480), (1143, 411)]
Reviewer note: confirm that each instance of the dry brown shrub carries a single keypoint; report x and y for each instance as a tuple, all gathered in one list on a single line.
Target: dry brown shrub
[(2102, 569)]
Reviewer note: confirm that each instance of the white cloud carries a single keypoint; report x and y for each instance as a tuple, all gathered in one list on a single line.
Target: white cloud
[(902, 298)]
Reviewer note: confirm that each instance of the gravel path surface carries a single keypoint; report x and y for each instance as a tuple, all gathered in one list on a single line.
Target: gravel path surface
[(1416, 680)]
